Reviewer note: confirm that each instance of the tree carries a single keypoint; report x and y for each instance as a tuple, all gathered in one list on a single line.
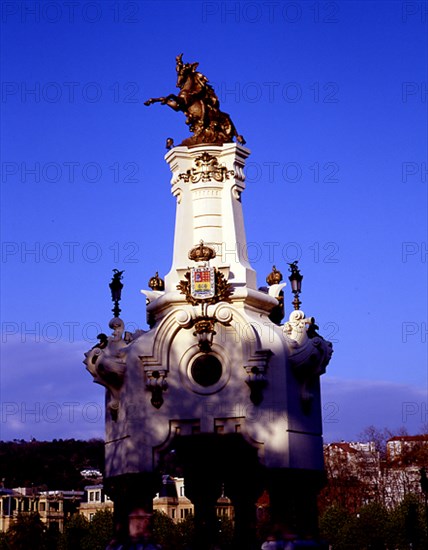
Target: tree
[(186, 529), (100, 531), (226, 532), (334, 525), (76, 530), (408, 524), (372, 526), (378, 437), (350, 475), (27, 532), (165, 531), (4, 541)]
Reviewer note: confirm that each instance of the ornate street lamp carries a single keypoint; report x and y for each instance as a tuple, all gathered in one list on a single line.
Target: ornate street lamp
[(116, 291), (296, 283)]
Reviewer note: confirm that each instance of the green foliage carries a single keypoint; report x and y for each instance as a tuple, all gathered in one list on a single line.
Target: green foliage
[(76, 531), (408, 524), (180, 536), (226, 532), (165, 531), (81, 534), (26, 532), (335, 525), (4, 541), (100, 531), (186, 530), (50, 464), (376, 528), (372, 526)]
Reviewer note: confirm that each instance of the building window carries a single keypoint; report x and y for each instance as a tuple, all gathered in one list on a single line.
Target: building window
[(173, 513), (91, 496), (42, 506), (91, 517), (98, 496), (182, 491)]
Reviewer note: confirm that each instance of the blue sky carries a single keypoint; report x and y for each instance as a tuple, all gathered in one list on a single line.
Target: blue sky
[(332, 100)]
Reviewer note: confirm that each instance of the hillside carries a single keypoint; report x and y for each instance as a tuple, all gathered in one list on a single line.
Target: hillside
[(49, 464)]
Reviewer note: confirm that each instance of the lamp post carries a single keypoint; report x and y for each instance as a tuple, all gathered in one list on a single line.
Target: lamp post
[(116, 291), (296, 283)]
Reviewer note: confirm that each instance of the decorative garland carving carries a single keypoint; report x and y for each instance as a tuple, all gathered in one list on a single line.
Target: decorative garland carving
[(204, 324), (156, 383), (206, 168)]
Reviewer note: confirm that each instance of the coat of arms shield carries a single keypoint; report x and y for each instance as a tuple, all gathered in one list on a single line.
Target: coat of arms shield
[(202, 282)]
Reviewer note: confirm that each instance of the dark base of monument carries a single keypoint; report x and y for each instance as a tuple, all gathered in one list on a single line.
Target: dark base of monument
[(212, 462)]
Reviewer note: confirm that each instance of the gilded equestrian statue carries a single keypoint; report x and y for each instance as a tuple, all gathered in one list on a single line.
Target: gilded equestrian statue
[(199, 102)]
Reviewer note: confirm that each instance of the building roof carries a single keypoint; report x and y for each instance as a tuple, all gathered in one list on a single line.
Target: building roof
[(409, 438), (343, 446)]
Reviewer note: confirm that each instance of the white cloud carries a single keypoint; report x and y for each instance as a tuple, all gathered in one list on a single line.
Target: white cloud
[(349, 406), (46, 393)]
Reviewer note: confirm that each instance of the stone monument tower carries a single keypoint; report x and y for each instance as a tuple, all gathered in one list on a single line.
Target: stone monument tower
[(218, 390)]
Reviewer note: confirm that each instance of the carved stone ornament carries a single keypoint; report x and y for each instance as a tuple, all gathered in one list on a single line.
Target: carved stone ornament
[(106, 361), (202, 253), (156, 383), (310, 354), (223, 289), (206, 169), (256, 375)]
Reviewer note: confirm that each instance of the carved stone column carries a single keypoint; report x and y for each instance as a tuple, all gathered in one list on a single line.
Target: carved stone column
[(207, 181)]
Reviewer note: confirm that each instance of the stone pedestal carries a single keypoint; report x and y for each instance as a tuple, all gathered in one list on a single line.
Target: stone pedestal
[(207, 181), (253, 391)]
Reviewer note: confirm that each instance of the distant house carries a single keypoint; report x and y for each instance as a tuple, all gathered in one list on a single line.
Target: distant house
[(56, 507), (357, 475), (171, 499), (12, 503), (95, 500), (353, 472), (53, 507), (405, 456), (407, 449)]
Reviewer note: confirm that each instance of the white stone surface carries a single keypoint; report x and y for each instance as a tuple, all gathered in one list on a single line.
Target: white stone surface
[(210, 211), (286, 426)]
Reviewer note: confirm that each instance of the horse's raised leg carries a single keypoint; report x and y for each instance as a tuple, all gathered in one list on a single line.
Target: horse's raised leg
[(171, 100), (155, 100)]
